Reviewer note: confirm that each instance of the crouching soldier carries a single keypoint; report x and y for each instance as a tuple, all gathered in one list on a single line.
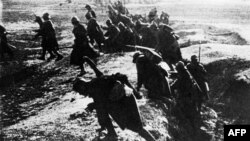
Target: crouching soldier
[(4, 46), (113, 97), (151, 75), (112, 36)]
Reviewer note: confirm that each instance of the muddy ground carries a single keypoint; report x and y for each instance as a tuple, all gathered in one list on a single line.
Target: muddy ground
[(37, 101)]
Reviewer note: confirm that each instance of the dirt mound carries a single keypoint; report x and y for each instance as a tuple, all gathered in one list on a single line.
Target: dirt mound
[(200, 34), (230, 89)]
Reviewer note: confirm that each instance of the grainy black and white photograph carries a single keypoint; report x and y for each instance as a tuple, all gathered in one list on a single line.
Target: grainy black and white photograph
[(123, 70)]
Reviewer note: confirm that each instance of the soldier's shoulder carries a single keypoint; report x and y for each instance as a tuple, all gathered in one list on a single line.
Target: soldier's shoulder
[(189, 65)]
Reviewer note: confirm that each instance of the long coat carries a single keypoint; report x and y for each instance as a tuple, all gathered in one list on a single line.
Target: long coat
[(123, 111), (47, 31), (81, 46), (151, 75)]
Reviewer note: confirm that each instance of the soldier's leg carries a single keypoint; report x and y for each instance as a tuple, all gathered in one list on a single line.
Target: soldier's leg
[(105, 121), (82, 70), (42, 57), (99, 42)]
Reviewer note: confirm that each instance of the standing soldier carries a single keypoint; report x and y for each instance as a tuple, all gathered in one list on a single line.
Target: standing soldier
[(187, 91), (199, 73), (94, 32), (49, 40), (81, 46), (4, 47), (90, 12), (38, 31)]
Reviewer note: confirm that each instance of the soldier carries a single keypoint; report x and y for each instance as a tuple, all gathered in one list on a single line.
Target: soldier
[(81, 46), (112, 34), (94, 32), (126, 35), (4, 46), (199, 73), (120, 8), (113, 98), (38, 31), (152, 15), (188, 91), (167, 45), (152, 76), (90, 12), (49, 41)]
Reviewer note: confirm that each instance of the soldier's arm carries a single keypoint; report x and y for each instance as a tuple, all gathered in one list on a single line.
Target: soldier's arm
[(139, 82), (116, 34), (93, 14), (202, 69)]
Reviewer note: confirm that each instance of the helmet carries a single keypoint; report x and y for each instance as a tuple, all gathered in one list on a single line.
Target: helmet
[(193, 57), (38, 19), (75, 20), (87, 6), (180, 66), (46, 16)]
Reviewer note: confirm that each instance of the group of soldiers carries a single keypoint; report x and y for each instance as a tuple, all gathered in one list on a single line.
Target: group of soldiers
[(113, 94)]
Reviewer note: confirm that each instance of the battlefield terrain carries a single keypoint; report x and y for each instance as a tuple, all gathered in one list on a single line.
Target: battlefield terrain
[(36, 97)]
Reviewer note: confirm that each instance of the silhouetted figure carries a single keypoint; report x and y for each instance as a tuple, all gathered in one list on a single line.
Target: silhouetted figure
[(199, 73), (187, 91), (90, 12), (4, 46), (81, 46), (167, 45), (126, 36), (49, 41), (112, 35), (94, 32), (152, 76), (113, 98)]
